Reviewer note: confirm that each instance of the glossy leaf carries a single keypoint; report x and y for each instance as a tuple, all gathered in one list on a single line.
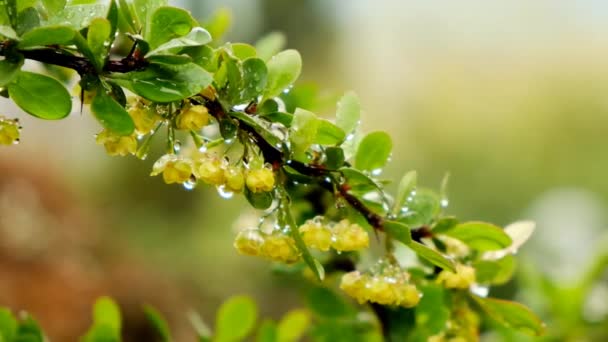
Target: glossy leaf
[(40, 96), (293, 326), (9, 69), (267, 332), (144, 9), (8, 325), (97, 37), (432, 256), (270, 45), (243, 51), (433, 311), (54, 6), (303, 130), (399, 231), (421, 207), (374, 151), (406, 185), (27, 20), (513, 315), (334, 158), (444, 224), (348, 113), (329, 134), (254, 80), (283, 69), (47, 35), (495, 272), (219, 23), (196, 37), (168, 23), (72, 15), (259, 200), (8, 32), (111, 114), (480, 236), (358, 182), (326, 303), (235, 319)]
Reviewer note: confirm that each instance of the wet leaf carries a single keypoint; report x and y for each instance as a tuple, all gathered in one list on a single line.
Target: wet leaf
[(254, 80), (374, 151), (432, 256), (513, 315), (159, 323), (97, 38), (399, 231), (47, 35), (480, 236), (329, 134), (9, 69), (283, 69), (168, 23), (303, 131), (196, 37), (270, 45), (41, 96), (406, 185), (293, 326), (348, 113), (111, 114), (235, 319)]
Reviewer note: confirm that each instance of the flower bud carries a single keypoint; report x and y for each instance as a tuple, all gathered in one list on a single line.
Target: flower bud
[(279, 247), (349, 237), (260, 180), (174, 169), (353, 283), (315, 235), (145, 119), (235, 181), (462, 279), (408, 295), (9, 131), (211, 170), (117, 145), (208, 93), (192, 118), (249, 242)]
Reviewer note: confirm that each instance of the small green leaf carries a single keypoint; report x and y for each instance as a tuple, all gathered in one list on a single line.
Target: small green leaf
[(27, 20), (334, 158), (9, 69), (47, 35), (235, 319), (8, 32), (374, 151), (254, 80), (8, 325), (432, 312), (283, 69), (399, 231), (283, 118), (54, 6), (270, 45), (111, 114), (421, 208), (97, 37), (169, 59), (159, 322), (40, 96), (168, 23), (293, 326), (73, 17), (144, 9), (127, 14), (258, 127), (513, 315), (444, 224), (326, 303), (480, 236), (196, 37), (406, 185), (432, 256), (329, 134), (267, 332), (303, 131), (495, 272), (348, 113), (107, 312), (358, 182), (259, 200), (243, 51), (219, 23)]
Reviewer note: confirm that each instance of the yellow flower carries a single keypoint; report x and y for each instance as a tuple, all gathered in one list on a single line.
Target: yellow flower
[(279, 247), (235, 181), (208, 93), (462, 279), (192, 118), (117, 145), (353, 283), (145, 119), (381, 292), (315, 235), (9, 131), (211, 170), (174, 169), (349, 237), (260, 180), (249, 242), (408, 295)]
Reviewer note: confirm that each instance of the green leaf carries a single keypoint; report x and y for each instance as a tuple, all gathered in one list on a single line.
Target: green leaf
[(495, 272), (97, 37), (169, 23), (421, 207), (29, 330), (165, 82), (219, 23), (283, 118), (73, 17), (374, 151), (27, 20), (243, 51), (196, 37), (293, 325), (444, 224), (348, 113), (111, 114), (8, 32), (9, 69), (254, 80), (47, 35), (127, 14), (358, 182), (235, 319), (267, 332), (303, 131), (406, 185), (144, 9), (8, 325), (41, 96), (334, 158), (513, 315), (329, 134), (326, 303), (113, 16), (432, 312), (270, 45), (480, 236), (258, 127), (170, 59), (54, 6), (432, 256), (259, 200), (159, 323), (283, 69), (106, 312), (398, 231)]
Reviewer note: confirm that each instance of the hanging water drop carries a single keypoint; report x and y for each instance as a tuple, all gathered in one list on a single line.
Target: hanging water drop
[(221, 190), (177, 146), (189, 184)]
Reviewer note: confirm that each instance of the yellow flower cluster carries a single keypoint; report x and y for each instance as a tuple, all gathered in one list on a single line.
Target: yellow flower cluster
[(174, 169), (192, 117), (462, 279), (260, 180), (9, 131), (144, 117), (342, 236), (388, 288), (117, 145), (276, 246)]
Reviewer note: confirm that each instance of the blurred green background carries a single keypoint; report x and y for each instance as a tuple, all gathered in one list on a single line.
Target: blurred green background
[(508, 97)]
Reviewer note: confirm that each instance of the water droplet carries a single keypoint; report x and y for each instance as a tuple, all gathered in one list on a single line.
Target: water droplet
[(177, 146), (221, 190), (444, 203), (228, 141), (189, 184), (376, 172), (480, 290)]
